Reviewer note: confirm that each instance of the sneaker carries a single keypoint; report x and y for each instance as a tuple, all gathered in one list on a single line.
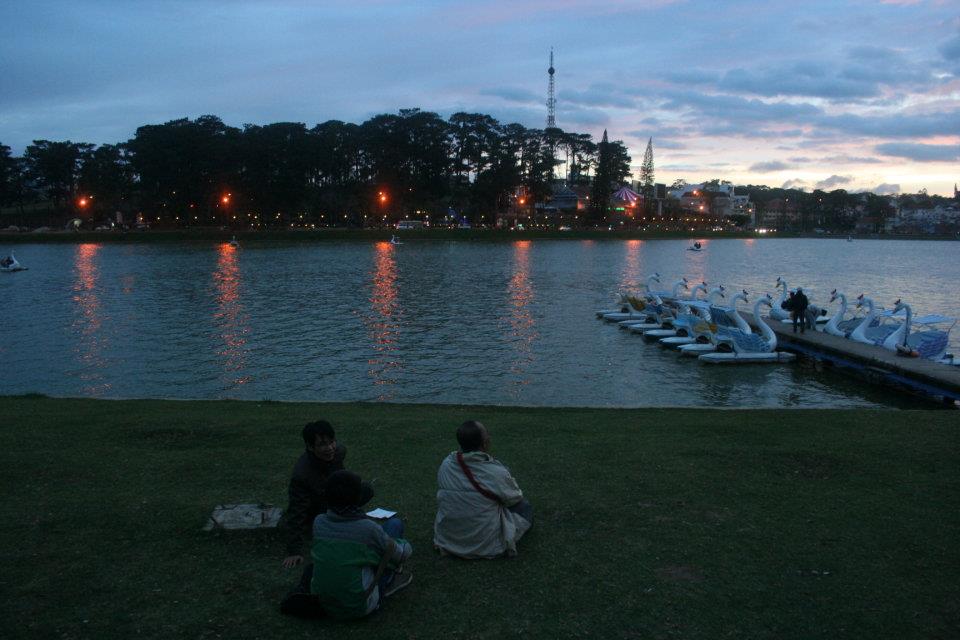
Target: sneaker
[(400, 581)]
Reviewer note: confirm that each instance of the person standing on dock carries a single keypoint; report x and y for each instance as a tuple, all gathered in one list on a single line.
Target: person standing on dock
[(799, 310)]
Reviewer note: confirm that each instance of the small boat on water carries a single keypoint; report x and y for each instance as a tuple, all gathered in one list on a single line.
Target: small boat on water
[(777, 312), (234, 242), (723, 321), (738, 347), (696, 247), (633, 306), (10, 265), (693, 324), (394, 240)]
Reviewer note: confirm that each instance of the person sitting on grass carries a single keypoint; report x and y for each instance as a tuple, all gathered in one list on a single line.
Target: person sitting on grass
[(481, 512), (324, 455), (356, 562)]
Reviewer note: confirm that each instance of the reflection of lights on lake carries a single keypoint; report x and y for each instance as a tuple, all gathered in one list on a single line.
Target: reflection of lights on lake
[(89, 348), (384, 325), (523, 332), (631, 269), (229, 318)]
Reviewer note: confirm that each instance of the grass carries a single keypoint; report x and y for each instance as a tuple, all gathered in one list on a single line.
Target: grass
[(663, 523)]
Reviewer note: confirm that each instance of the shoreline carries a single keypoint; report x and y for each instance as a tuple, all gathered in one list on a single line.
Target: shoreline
[(297, 236)]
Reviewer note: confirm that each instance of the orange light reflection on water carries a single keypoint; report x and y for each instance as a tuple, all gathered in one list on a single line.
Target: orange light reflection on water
[(384, 325), (523, 330), (630, 276), (230, 319), (89, 348)]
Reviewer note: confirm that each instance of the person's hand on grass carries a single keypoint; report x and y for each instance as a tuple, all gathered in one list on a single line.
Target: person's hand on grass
[(291, 561)]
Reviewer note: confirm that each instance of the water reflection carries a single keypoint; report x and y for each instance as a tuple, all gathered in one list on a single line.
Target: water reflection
[(630, 276), (90, 346), (523, 329), (230, 318), (384, 325)]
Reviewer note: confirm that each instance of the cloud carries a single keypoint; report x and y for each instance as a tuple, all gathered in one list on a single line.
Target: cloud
[(769, 167), (798, 79), (920, 152), (833, 182), (598, 95), (950, 49), (796, 183), (886, 189), (667, 144), (841, 159), (691, 76), (512, 94), (800, 159)]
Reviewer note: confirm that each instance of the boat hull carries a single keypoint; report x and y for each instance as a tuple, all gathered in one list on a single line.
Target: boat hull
[(658, 334), (696, 349), (677, 341), (642, 327), (746, 358)]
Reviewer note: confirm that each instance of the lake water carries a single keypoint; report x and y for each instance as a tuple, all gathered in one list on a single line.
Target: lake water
[(428, 321)]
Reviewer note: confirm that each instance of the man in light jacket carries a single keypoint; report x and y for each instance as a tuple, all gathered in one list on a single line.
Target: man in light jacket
[(481, 512)]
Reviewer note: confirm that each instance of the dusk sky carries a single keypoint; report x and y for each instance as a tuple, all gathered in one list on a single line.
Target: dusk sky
[(825, 94)]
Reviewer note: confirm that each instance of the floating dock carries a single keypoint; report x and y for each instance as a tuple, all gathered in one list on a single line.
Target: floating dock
[(932, 380)]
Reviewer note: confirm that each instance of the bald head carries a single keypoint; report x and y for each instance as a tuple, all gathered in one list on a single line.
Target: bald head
[(472, 436)]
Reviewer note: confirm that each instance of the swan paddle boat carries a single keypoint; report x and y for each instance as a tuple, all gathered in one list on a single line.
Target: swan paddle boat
[(394, 240), (234, 242), (749, 347), (723, 320), (696, 247), (696, 326), (838, 324), (924, 337), (777, 312), (10, 265), (681, 318), (879, 327), (635, 305), (662, 314)]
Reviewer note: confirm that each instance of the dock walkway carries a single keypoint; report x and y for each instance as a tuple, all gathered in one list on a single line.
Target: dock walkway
[(874, 363)]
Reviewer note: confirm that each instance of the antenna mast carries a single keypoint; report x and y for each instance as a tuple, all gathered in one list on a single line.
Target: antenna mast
[(551, 100)]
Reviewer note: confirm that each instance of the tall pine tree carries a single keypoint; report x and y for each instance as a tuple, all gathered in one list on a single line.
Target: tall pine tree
[(646, 170)]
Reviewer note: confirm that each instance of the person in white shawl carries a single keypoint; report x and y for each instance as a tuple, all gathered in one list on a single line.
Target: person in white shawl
[(481, 512)]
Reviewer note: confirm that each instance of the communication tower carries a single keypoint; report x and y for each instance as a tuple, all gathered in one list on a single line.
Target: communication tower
[(551, 100)]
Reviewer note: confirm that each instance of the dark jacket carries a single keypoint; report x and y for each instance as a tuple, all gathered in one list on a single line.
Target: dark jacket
[(801, 302), (307, 496)]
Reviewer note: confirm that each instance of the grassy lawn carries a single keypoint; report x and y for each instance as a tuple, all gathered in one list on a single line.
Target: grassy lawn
[(649, 523)]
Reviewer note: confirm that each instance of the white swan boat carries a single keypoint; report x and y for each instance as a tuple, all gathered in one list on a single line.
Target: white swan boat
[(923, 337), (722, 320), (234, 242), (10, 265), (696, 247), (750, 347), (681, 317), (879, 327), (839, 324), (694, 325), (661, 314), (634, 305), (394, 240), (777, 312)]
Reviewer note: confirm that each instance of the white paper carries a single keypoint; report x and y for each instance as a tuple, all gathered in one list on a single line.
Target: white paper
[(381, 514)]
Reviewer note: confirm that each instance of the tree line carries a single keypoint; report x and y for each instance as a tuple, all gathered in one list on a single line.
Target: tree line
[(203, 171)]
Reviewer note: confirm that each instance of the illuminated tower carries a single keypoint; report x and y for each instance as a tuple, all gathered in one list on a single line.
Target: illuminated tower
[(551, 101)]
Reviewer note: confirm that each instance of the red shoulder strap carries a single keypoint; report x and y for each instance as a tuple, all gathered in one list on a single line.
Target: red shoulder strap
[(476, 485)]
